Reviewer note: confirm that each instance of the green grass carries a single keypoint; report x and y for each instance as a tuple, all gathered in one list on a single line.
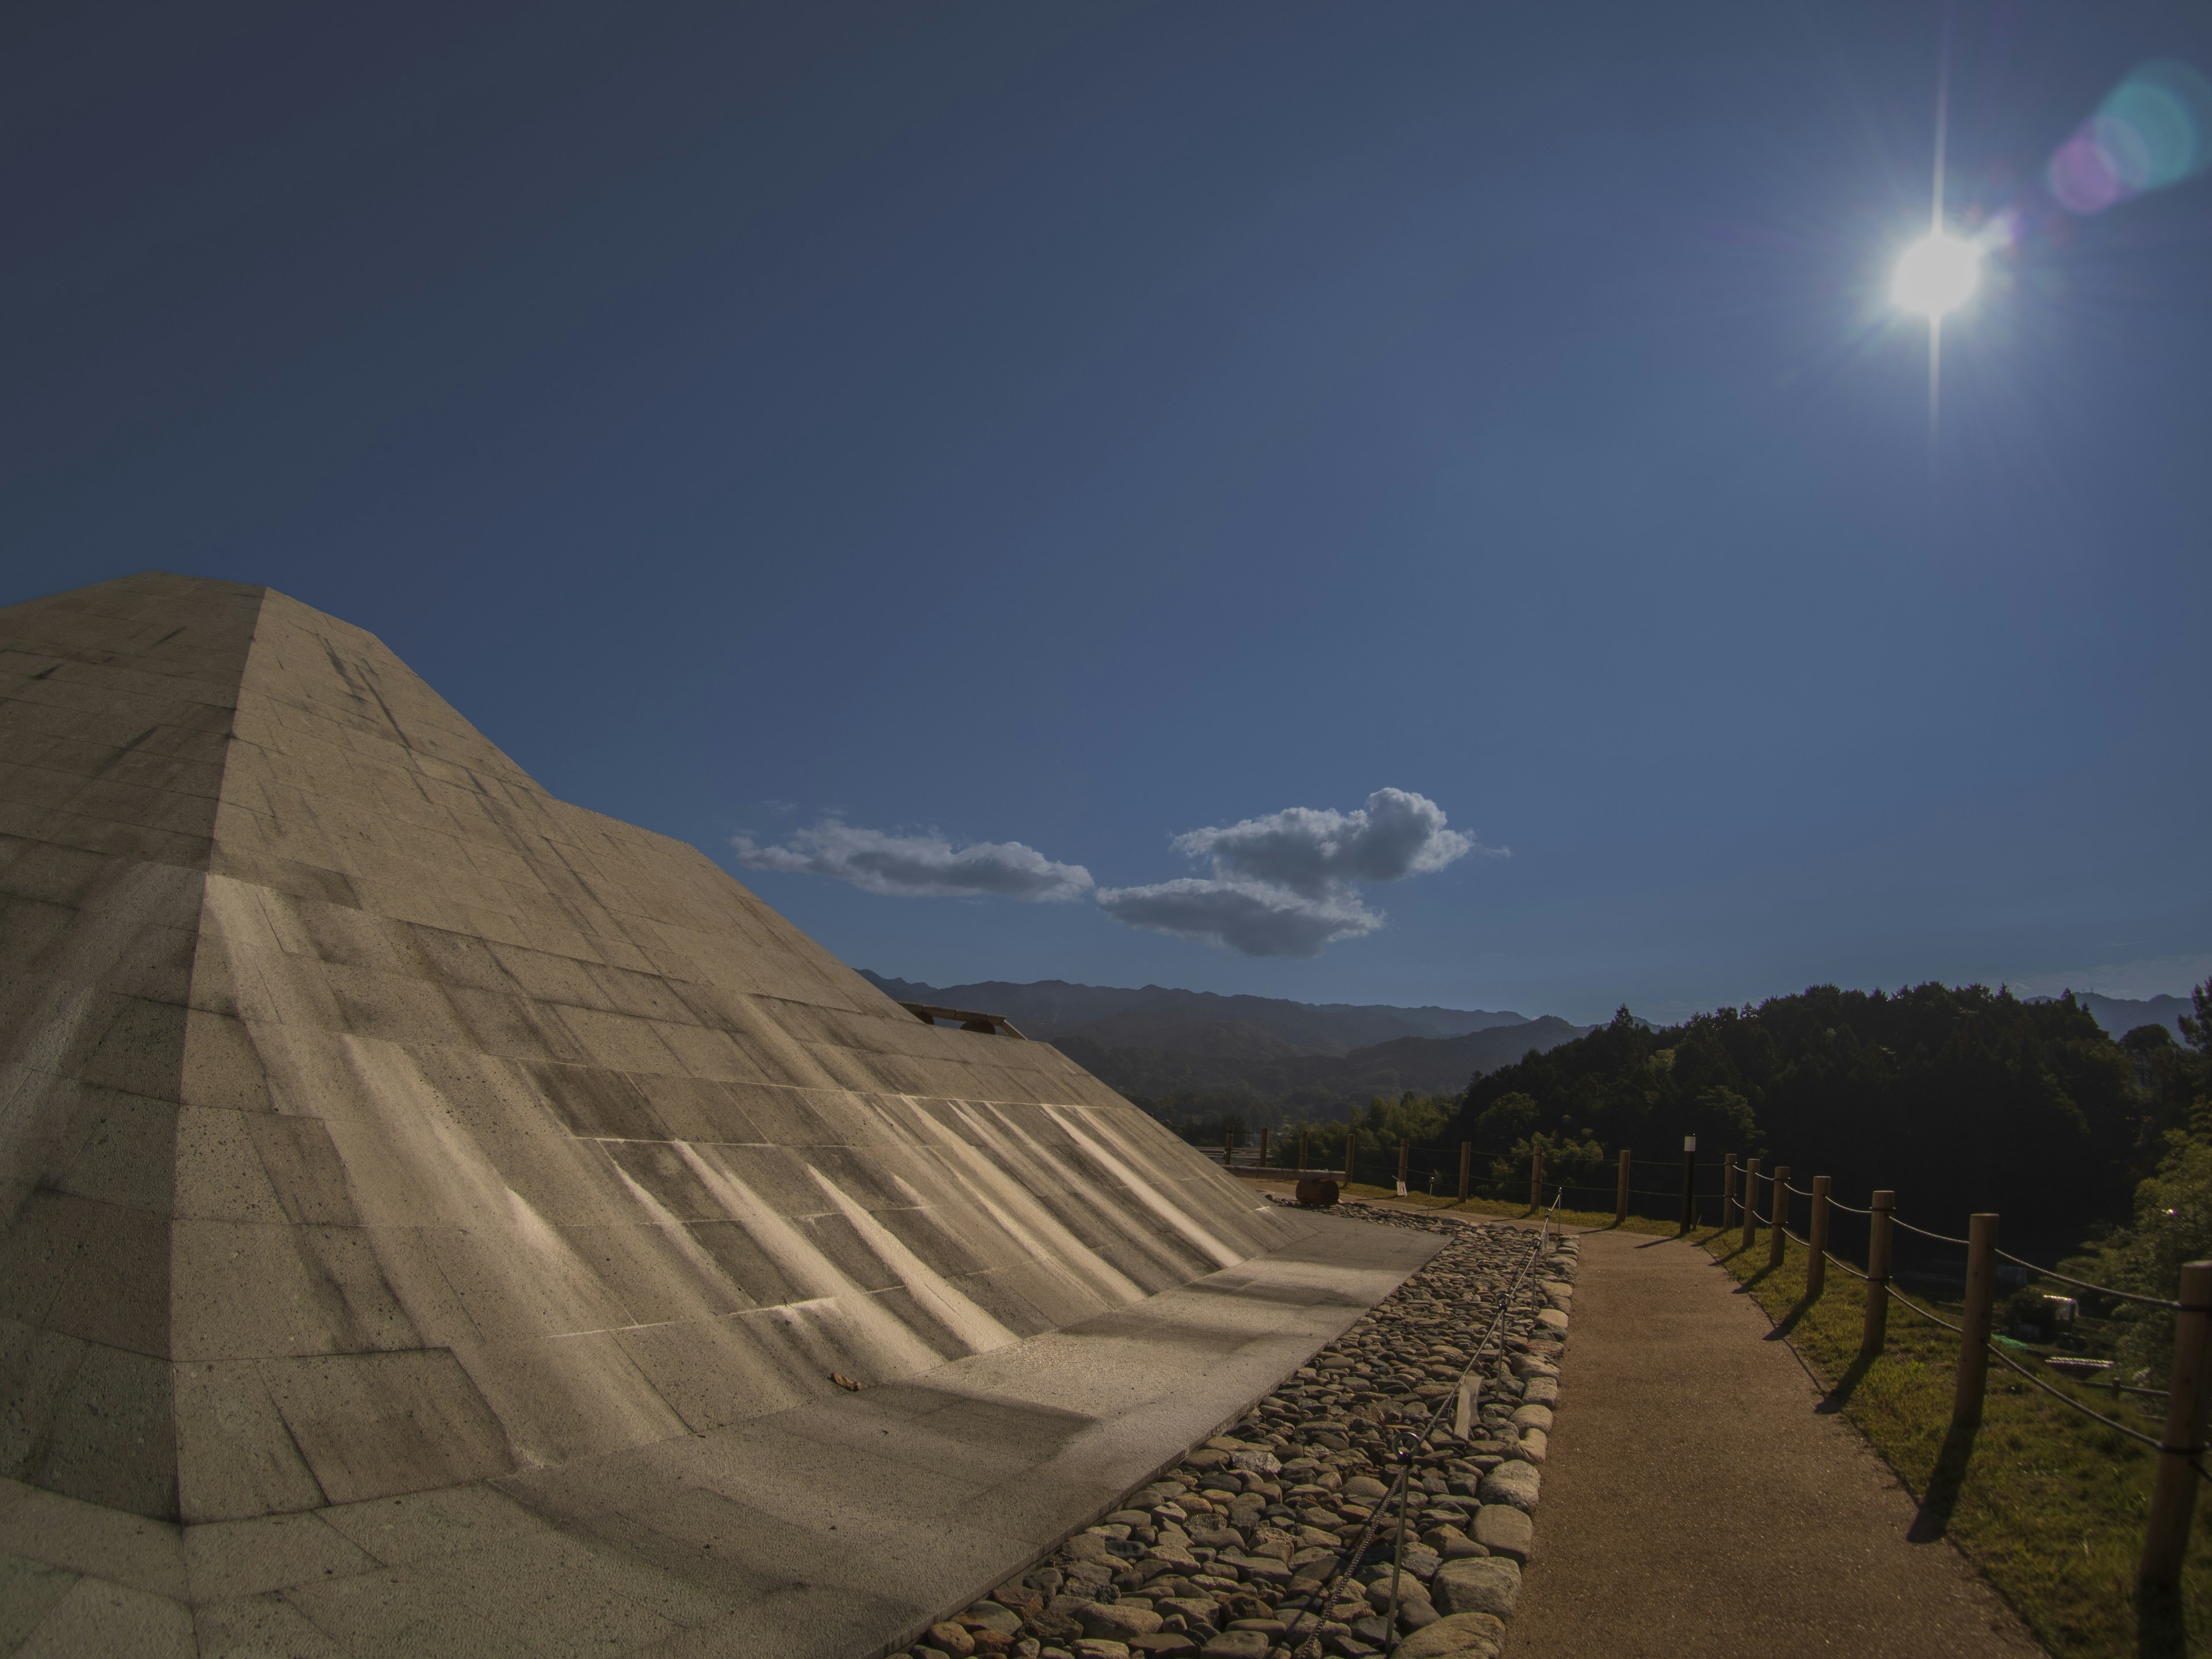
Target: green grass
[(2049, 1503)]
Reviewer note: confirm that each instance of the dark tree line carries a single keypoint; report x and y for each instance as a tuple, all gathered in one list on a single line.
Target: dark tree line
[(1959, 1098)]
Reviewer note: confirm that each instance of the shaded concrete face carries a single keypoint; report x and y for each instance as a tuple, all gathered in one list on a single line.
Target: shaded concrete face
[(372, 1124)]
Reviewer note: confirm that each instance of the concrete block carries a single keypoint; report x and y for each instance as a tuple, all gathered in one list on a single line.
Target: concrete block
[(28, 1591), (259, 1627), (227, 1560), (371, 1426), (98, 1618), (133, 1550), (235, 1457)]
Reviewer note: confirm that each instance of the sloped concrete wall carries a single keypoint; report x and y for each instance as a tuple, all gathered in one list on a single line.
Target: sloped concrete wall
[(375, 1123)]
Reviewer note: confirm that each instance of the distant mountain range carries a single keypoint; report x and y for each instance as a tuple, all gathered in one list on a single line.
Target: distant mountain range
[(1165, 1047)]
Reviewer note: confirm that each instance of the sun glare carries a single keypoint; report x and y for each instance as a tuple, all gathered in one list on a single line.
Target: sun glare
[(1938, 273)]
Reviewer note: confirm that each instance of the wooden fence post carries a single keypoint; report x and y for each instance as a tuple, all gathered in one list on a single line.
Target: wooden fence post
[(1535, 1175), (1974, 1325), (1750, 1201), (1228, 1147), (1620, 1197), (1689, 1182), (1350, 1151), (1873, 1335), (1302, 1152), (2173, 1501), (1781, 1216), (1816, 1257), (1405, 1156), (1263, 1149), (1466, 1169), (1727, 1191)]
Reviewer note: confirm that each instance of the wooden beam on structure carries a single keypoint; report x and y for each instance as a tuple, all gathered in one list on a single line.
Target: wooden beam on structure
[(991, 1024)]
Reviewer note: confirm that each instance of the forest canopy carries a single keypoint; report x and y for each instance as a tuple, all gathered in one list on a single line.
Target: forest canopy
[(1959, 1098)]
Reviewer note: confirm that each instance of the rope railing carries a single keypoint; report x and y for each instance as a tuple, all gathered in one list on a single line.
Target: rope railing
[(2063, 1320), (2084, 1285), (2005, 1358), (1941, 1238), (1933, 1319)]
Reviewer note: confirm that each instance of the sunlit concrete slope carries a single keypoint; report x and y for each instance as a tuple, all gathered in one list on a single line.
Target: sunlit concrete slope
[(372, 1123)]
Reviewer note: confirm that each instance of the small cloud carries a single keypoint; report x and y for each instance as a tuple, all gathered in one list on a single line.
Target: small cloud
[(1255, 917), (1312, 849), (924, 866), (1283, 885)]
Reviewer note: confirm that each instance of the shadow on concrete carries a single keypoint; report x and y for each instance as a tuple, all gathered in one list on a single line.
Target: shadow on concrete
[(2161, 1624), (1943, 1482)]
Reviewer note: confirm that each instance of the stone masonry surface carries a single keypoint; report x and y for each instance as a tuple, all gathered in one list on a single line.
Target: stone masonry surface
[(418, 1194), (1280, 1536)]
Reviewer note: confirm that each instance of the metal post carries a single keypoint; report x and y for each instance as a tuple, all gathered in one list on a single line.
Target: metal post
[(1780, 1216), (1302, 1152), (1816, 1257), (1727, 1191), (2174, 1500), (1466, 1169), (1263, 1149), (1974, 1325), (1620, 1193), (1750, 1201), (1535, 1175), (1351, 1146), (1689, 1182), (1874, 1334), (1228, 1147)]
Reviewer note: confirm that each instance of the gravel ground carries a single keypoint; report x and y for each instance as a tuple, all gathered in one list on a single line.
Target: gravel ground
[(1278, 1536)]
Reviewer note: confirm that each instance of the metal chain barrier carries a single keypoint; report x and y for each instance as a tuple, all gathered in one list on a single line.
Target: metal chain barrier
[(1408, 1441)]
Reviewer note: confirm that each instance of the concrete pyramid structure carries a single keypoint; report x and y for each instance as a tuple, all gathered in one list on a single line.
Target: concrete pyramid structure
[(374, 1124)]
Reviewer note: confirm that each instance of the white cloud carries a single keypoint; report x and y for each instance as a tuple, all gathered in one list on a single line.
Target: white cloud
[(924, 866), (1313, 849), (1256, 917), (1283, 885)]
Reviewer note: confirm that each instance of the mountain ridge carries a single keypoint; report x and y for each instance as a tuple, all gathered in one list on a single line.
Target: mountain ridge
[(1049, 1010), (1177, 1052)]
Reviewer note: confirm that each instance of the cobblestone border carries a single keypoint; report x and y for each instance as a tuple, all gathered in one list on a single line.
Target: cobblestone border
[(1246, 1549)]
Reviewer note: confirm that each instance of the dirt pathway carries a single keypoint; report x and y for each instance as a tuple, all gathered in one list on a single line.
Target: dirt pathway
[(1695, 1504)]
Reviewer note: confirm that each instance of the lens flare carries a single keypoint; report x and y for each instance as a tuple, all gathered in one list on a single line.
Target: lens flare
[(1936, 274), (2153, 130)]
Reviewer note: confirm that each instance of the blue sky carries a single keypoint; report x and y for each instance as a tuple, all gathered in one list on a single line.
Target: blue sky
[(1078, 427)]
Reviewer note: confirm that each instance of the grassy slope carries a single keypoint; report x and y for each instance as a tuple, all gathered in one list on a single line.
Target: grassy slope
[(2046, 1502)]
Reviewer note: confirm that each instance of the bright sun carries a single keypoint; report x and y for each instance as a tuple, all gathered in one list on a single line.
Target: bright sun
[(1938, 273)]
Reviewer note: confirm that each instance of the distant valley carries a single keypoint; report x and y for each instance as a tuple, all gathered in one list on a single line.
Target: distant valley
[(1269, 1058)]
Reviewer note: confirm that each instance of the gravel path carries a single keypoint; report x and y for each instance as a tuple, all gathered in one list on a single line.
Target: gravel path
[(1695, 1504), (1278, 1536)]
